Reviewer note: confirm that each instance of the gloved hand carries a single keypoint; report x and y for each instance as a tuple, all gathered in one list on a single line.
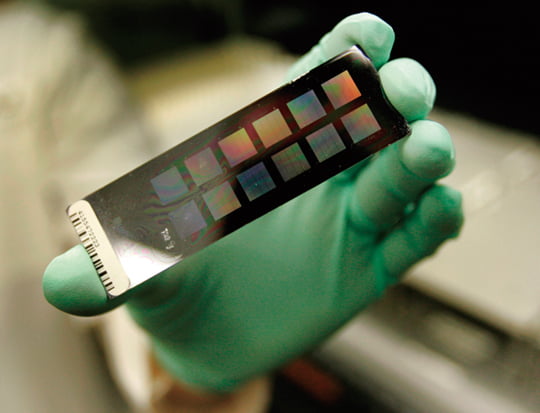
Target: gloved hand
[(280, 285)]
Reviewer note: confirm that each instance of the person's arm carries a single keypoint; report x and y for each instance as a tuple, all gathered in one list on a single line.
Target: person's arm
[(272, 290)]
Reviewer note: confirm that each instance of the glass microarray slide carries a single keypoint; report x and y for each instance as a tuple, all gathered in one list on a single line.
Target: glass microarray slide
[(235, 171)]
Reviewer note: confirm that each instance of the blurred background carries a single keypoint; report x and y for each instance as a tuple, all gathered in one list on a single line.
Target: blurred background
[(89, 89)]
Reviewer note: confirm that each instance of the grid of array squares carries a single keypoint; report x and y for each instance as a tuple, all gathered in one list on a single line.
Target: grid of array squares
[(325, 142), (360, 123), (272, 128), (169, 186), (221, 200), (238, 147), (291, 162), (187, 220), (256, 181), (203, 166), (306, 108), (341, 89)]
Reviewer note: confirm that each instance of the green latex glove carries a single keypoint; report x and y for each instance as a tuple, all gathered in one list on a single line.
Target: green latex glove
[(280, 285)]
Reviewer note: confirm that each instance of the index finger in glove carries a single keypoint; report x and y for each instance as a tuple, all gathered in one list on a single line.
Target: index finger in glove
[(371, 33)]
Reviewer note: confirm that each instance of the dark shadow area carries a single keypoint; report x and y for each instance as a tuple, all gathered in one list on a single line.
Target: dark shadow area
[(482, 58)]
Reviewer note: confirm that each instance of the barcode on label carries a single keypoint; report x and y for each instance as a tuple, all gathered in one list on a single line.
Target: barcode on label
[(82, 232)]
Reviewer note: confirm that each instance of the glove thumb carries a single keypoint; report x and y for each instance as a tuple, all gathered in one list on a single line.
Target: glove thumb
[(71, 284)]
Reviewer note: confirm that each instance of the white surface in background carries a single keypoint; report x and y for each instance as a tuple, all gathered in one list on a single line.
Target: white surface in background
[(408, 375), (188, 93), (493, 270)]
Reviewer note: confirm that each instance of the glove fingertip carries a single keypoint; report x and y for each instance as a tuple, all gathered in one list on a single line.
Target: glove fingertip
[(371, 33), (409, 87), (443, 210), (70, 283), (429, 152)]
